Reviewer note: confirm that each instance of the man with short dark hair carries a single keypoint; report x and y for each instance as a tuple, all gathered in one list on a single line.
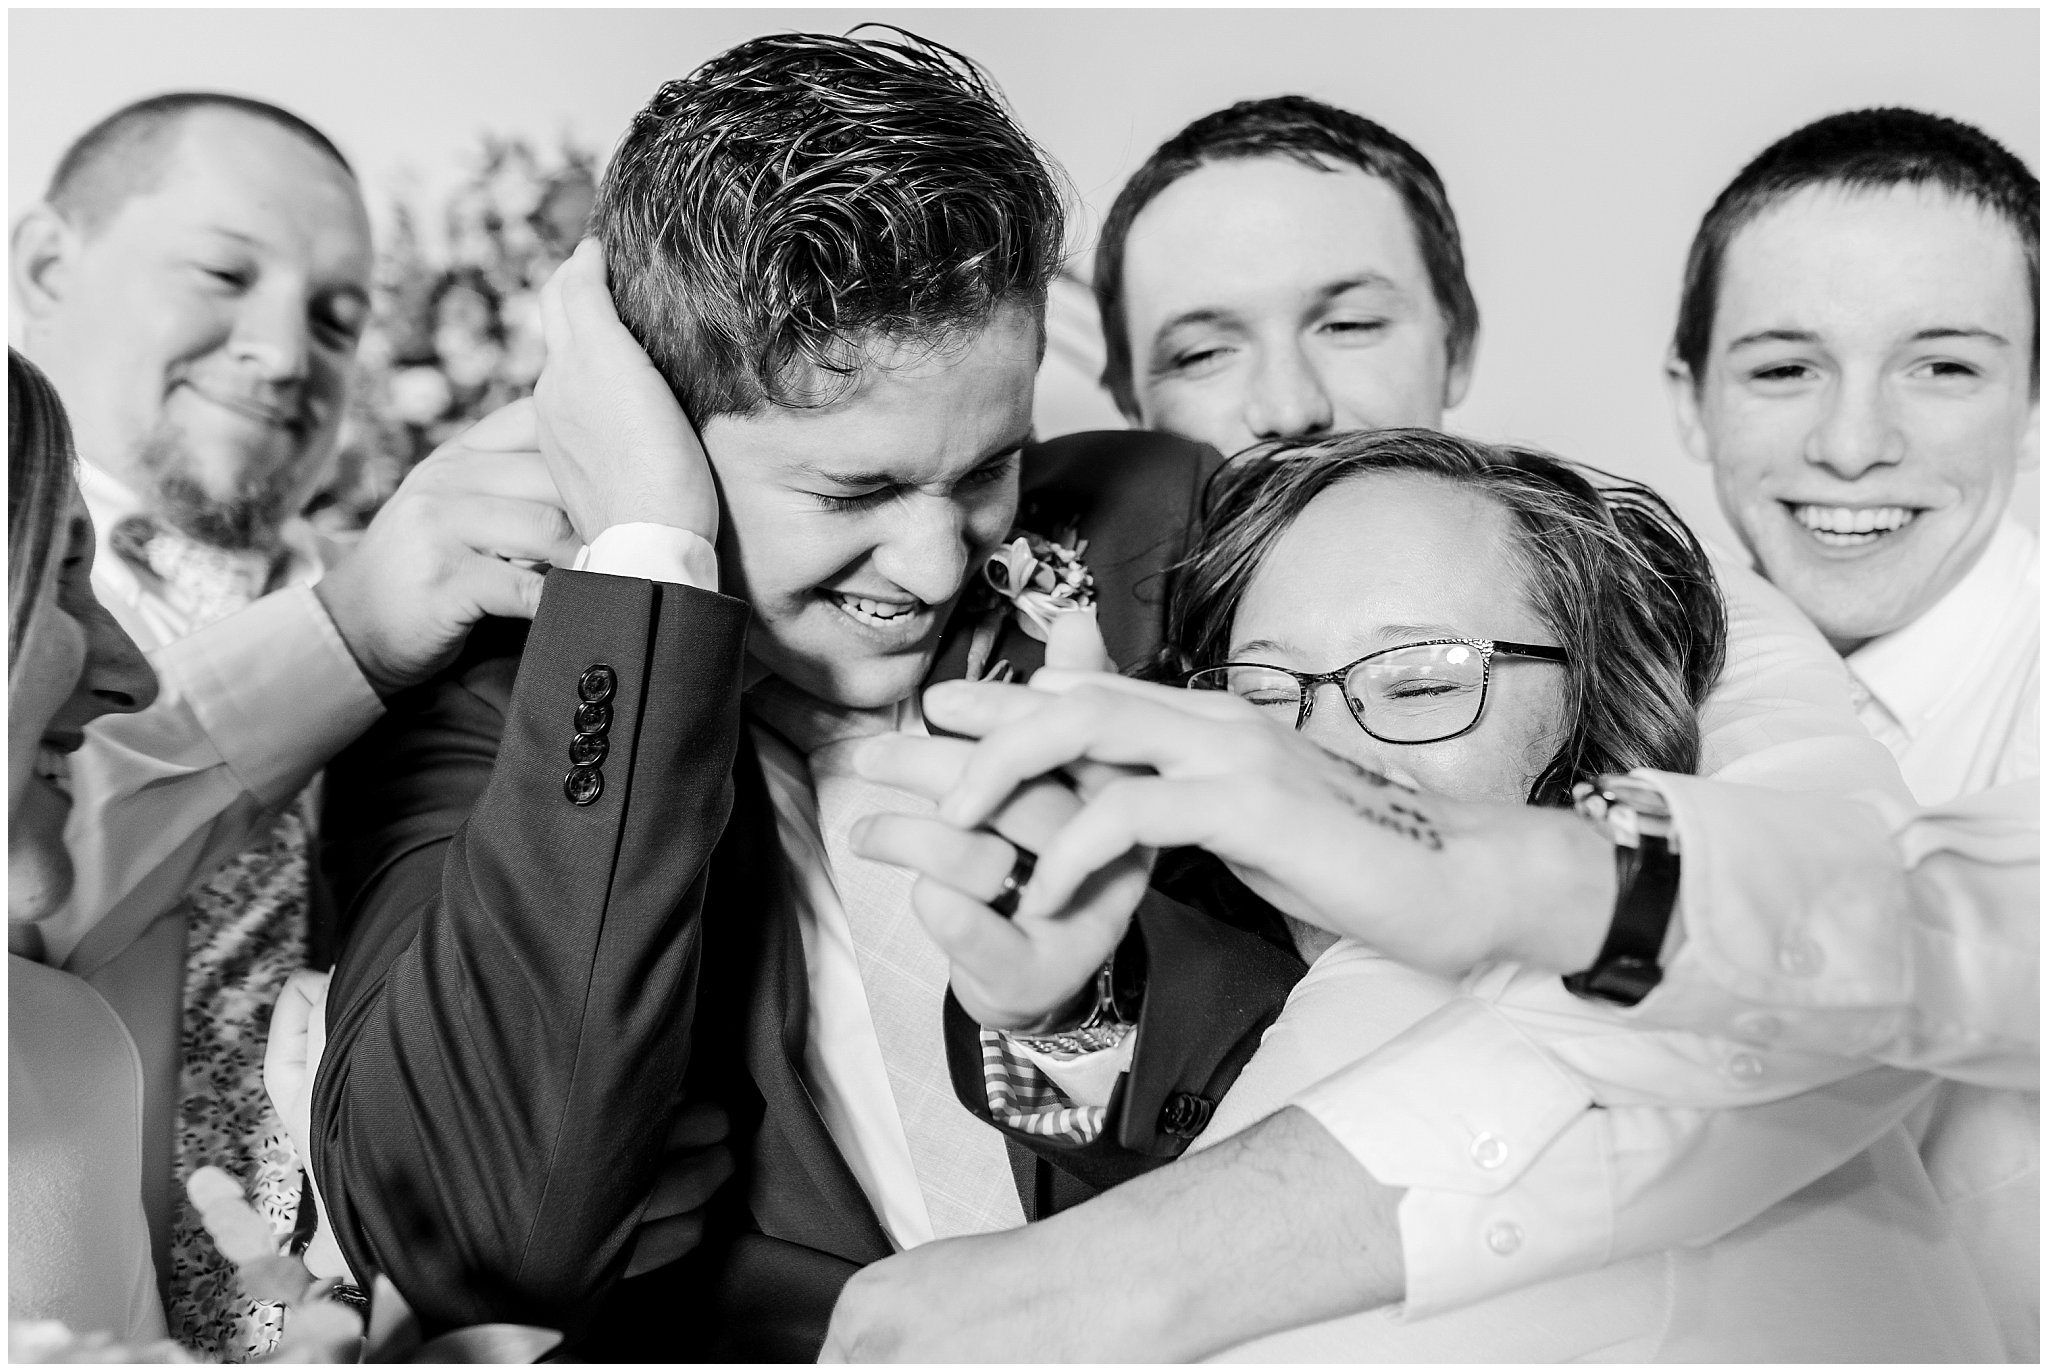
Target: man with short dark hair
[(600, 877), (1857, 356), (194, 283), (1280, 269)]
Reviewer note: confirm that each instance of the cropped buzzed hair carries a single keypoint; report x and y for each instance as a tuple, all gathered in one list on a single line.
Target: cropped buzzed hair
[(1869, 150), (128, 152), (1316, 135), (800, 197)]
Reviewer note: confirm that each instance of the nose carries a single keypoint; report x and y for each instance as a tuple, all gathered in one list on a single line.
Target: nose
[(117, 677), (926, 552), (1857, 432), (1331, 727), (1287, 398), (274, 333)]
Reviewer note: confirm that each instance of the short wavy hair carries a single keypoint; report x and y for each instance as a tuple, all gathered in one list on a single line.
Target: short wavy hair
[(801, 196), (1864, 150), (1609, 569), (1319, 136)]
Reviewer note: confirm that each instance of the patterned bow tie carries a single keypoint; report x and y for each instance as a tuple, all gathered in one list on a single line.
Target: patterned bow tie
[(200, 581)]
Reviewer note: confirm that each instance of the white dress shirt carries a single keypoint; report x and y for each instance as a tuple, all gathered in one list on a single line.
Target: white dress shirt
[(1956, 694), (1860, 1267), (843, 1068), (248, 710)]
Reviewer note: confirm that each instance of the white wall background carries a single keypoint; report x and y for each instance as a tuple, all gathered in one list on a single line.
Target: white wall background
[(1580, 147)]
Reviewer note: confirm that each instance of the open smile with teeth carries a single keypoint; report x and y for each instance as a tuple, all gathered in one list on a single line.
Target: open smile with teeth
[(876, 613), (1852, 526)]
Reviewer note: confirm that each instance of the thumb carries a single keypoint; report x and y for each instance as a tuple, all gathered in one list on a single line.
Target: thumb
[(1074, 642)]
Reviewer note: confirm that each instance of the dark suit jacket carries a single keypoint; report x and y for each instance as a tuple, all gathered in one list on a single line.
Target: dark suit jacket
[(529, 989)]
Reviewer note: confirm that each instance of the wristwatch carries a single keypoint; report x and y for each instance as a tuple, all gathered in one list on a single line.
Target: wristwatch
[(1119, 995), (1634, 817)]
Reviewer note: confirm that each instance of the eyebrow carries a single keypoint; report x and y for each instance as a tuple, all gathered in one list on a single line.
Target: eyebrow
[(1923, 336), (879, 478)]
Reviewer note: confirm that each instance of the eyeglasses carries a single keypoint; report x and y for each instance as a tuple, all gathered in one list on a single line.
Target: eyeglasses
[(1416, 693)]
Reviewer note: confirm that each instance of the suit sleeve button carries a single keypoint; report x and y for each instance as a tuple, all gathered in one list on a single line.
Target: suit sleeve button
[(588, 750), (583, 785), (597, 684), (1185, 1114), (593, 717)]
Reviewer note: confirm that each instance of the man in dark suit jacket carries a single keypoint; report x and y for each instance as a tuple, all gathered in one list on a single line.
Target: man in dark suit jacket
[(577, 902)]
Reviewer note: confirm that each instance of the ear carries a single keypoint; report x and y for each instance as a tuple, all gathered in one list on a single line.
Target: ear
[(1458, 380), (40, 255), (1685, 409)]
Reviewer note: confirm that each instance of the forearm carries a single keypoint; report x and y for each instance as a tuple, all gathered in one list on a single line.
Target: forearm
[(1272, 1229)]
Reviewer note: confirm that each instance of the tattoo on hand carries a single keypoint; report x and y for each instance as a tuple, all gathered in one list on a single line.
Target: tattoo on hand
[(1406, 820)]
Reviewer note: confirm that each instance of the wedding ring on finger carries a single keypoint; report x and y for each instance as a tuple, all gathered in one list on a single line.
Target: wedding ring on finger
[(1004, 901)]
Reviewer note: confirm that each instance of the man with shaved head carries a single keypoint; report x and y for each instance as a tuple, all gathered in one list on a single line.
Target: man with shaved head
[(195, 281)]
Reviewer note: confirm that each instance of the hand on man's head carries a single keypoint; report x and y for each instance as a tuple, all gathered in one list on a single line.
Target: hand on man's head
[(619, 446), (444, 552)]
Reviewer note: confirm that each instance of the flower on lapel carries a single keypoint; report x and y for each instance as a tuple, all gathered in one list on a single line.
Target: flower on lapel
[(1042, 579)]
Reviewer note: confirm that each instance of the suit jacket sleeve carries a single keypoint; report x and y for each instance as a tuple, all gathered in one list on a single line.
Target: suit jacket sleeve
[(509, 1016)]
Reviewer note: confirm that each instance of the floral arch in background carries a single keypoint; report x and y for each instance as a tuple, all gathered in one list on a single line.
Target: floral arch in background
[(455, 328)]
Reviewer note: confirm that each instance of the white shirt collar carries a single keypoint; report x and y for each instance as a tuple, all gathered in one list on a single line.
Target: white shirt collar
[(1913, 671)]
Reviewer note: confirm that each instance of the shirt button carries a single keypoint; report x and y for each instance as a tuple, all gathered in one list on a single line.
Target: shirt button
[(583, 785), (1504, 1238), (1489, 1151), (1746, 1068), (1799, 957), (597, 683), (593, 717)]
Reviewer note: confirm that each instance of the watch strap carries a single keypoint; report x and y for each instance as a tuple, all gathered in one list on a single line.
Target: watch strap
[(1646, 871)]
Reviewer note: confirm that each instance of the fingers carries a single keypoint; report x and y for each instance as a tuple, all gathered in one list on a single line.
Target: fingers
[(509, 428), (1149, 812), (1074, 642), (497, 526), (1102, 726), (287, 1052), (921, 765), (967, 860), (487, 586)]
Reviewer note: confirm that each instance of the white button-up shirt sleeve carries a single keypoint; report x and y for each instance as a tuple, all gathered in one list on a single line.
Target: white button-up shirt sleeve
[(248, 710), (1904, 935), (1537, 1138)]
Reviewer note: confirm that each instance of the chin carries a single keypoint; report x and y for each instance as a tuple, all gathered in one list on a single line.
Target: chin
[(863, 684)]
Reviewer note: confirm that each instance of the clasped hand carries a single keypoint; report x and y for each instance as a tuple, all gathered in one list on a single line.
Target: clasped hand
[(1138, 767)]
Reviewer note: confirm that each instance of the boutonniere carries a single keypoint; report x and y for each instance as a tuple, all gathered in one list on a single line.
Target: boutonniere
[(1036, 580), (1042, 579)]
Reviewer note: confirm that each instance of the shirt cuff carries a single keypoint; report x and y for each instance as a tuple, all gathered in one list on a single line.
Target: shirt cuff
[(275, 689), (652, 552), (1501, 1190)]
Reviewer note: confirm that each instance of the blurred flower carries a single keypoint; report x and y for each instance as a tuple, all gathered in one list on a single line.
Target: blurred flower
[(455, 329), (420, 395)]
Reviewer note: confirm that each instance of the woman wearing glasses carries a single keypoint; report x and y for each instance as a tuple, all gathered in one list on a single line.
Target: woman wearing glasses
[(1430, 621)]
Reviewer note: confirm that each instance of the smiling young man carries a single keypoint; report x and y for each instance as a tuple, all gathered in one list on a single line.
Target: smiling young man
[(598, 878), (1858, 358)]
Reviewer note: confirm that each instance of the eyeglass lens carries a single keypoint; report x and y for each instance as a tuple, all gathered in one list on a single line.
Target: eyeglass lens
[(1410, 695)]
